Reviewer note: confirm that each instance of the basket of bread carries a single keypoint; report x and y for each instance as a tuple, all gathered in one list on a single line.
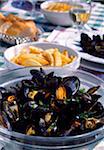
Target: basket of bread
[(15, 30)]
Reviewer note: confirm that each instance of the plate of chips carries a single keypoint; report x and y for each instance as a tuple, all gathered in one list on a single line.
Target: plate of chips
[(37, 54)]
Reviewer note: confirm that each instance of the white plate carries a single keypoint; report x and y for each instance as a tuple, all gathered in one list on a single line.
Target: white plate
[(74, 43)]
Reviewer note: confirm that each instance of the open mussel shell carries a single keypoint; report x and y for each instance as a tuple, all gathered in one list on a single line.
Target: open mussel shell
[(11, 111), (3, 93), (38, 77), (71, 84), (51, 129), (30, 130), (93, 90), (37, 73), (29, 108), (4, 121)]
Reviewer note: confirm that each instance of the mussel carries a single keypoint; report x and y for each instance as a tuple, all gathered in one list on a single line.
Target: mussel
[(38, 77), (4, 121), (11, 110), (30, 130), (71, 84)]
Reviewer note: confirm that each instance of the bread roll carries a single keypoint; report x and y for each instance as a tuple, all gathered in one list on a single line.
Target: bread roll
[(22, 29), (2, 19), (13, 18)]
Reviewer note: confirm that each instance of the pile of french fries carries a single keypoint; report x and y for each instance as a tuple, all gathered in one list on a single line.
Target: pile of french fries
[(59, 7), (34, 56)]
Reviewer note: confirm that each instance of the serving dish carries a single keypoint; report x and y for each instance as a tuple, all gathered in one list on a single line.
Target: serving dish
[(55, 17), (75, 43), (20, 141), (14, 51)]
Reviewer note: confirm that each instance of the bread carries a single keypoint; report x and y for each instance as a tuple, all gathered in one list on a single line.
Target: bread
[(2, 16), (15, 26), (4, 26), (2, 19), (13, 18)]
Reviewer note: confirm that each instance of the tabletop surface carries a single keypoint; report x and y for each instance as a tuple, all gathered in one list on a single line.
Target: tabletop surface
[(96, 22)]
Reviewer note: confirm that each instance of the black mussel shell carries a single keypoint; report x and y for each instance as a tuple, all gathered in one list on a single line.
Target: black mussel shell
[(52, 83), (3, 93), (95, 97), (71, 84), (38, 77), (36, 72), (49, 76), (93, 90), (4, 121), (99, 109), (27, 83), (10, 111), (51, 129), (28, 108), (26, 92)]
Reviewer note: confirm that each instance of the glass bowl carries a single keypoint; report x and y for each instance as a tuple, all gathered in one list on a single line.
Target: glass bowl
[(18, 141)]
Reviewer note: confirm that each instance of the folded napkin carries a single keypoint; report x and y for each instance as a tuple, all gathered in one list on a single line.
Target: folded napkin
[(64, 36), (61, 35)]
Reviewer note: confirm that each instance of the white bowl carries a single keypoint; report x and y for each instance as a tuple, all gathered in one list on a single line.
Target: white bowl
[(15, 50), (57, 18)]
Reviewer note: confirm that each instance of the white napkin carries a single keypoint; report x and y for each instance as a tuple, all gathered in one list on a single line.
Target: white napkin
[(62, 35)]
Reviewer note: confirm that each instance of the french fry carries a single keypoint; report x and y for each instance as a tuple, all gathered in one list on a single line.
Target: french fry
[(73, 58), (30, 62), (42, 61), (35, 50), (65, 52), (65, 60), (37, 58), (57, 58), (48, 56), (14, 59), (51, 50), (24, 50)]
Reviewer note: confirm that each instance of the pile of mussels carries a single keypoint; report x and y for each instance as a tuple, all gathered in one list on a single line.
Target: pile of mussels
[(49, 105), (94, 46)]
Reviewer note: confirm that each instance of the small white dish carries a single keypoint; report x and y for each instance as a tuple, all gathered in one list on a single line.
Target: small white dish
[(57, 18), (15, 50)]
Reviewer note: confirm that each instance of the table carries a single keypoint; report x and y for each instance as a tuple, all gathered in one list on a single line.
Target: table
[(96, 21), (47, 27)]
